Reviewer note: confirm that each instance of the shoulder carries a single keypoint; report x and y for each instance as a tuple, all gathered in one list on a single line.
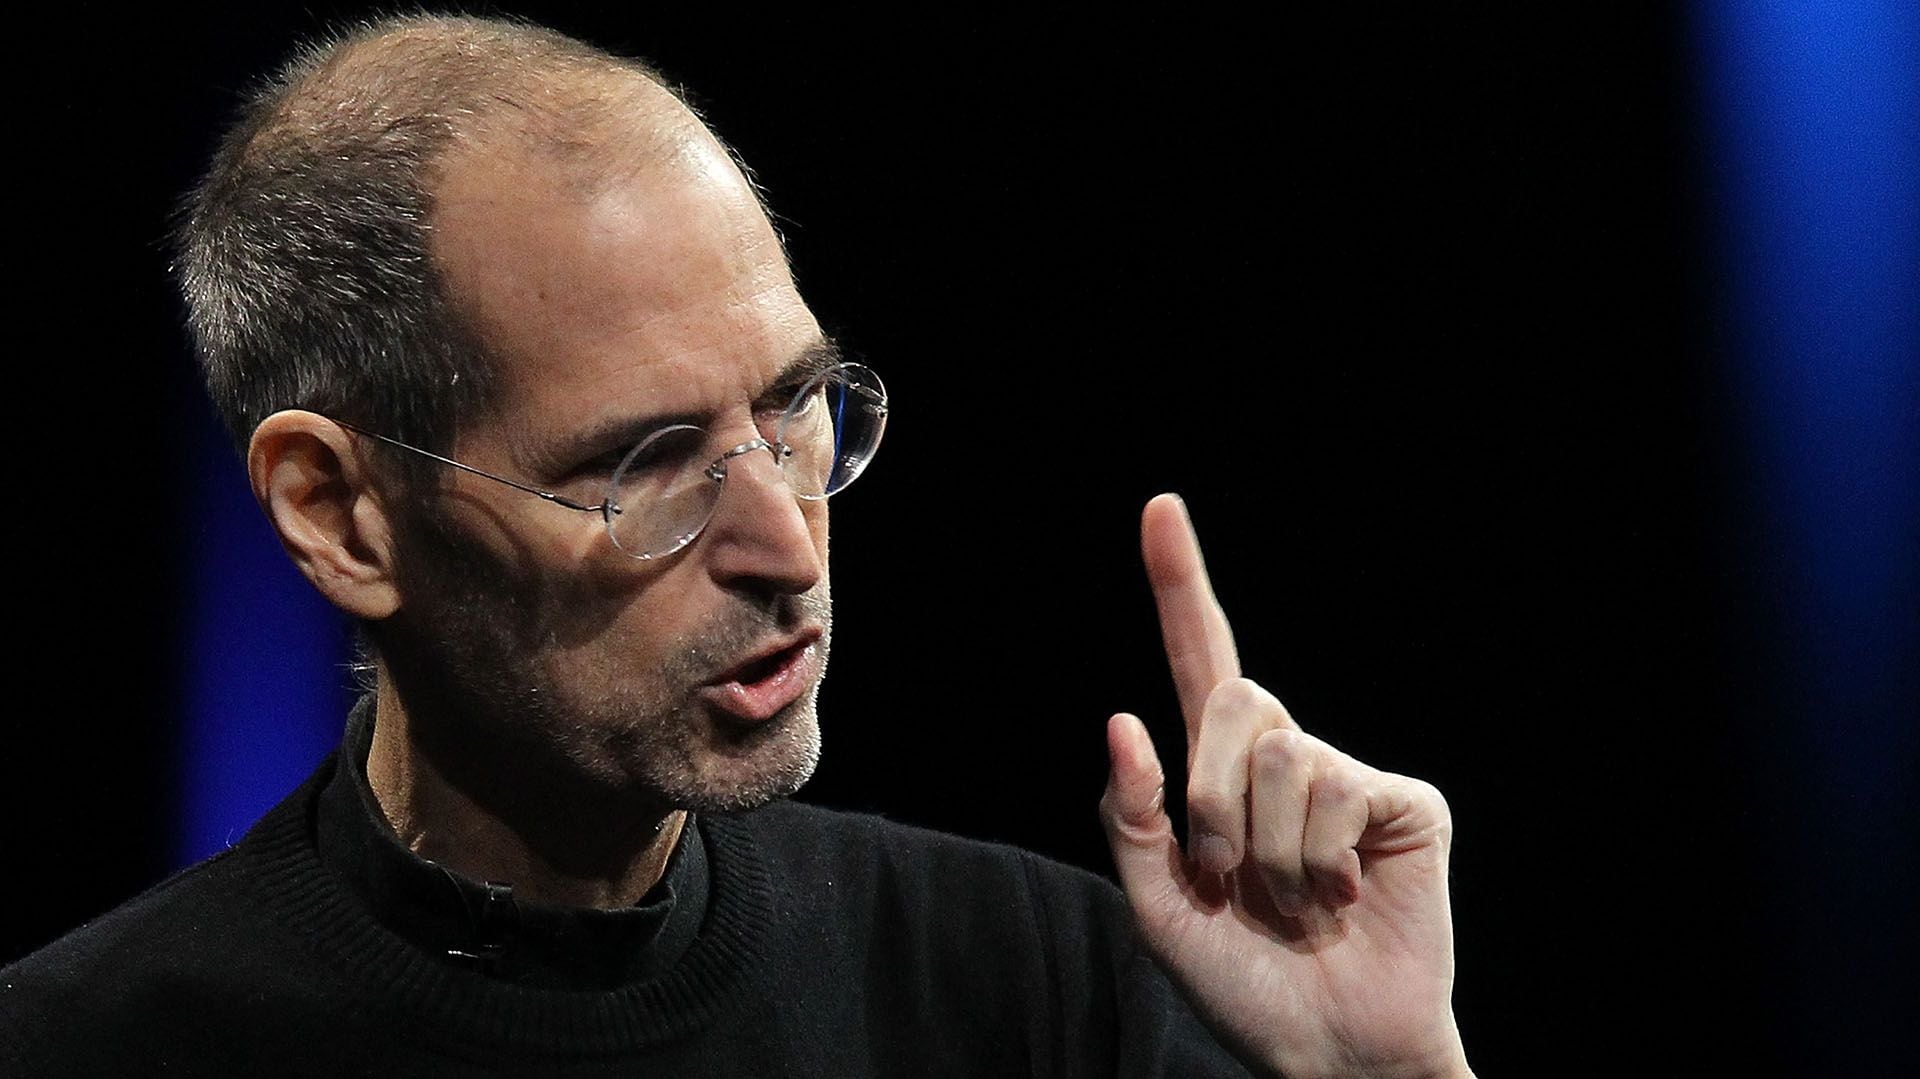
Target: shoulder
[(116, 970), (170, 917), (178, 950)]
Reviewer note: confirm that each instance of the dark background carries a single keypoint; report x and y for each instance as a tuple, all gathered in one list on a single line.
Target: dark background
[(1412, 309)]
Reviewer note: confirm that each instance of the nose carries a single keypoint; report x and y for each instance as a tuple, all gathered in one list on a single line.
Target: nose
[(762, 537)]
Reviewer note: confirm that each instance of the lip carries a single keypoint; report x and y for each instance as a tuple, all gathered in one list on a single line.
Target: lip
[(759, 700)]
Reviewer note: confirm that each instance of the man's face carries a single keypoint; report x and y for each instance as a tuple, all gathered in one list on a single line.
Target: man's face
[(689, 679)]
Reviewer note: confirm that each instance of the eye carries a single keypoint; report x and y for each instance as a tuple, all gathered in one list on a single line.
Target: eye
[(777, 399), (665, 451), (600, 465)]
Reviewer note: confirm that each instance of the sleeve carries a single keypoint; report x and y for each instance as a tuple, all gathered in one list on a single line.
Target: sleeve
[(1117, 1012)]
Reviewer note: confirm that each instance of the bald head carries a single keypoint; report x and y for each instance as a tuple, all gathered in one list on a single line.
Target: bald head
[(306, 254), (485, 86)]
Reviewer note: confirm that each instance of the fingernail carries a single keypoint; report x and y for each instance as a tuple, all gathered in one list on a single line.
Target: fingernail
[(1211, 853)]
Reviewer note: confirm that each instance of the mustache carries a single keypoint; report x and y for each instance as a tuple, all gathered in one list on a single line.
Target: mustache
[(732, 635)]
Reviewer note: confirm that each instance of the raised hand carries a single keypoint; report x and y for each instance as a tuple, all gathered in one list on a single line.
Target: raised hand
[(1307, 919)]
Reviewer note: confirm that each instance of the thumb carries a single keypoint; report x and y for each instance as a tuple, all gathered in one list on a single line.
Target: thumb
[(1133, 809)]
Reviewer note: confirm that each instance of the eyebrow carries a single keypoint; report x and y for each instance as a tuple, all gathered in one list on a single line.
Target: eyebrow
[(558, 459), (812, 360)]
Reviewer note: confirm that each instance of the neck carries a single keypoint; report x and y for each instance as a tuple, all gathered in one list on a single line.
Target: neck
[(560, 843)]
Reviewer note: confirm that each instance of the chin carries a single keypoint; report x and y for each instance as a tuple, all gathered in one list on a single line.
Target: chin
[(741, 770)]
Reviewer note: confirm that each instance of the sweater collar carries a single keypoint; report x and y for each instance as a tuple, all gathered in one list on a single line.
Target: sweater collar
[(481, 925)]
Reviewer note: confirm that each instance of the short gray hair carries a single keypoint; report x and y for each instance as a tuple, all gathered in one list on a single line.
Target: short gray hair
[(303, 255)]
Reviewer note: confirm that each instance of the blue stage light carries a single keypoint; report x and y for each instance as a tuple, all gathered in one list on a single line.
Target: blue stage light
[(265, 690), (1811, 121)]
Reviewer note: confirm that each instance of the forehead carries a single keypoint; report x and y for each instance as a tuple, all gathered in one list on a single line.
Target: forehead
[(661, 289)]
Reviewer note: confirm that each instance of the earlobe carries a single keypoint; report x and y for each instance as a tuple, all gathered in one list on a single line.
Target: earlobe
[(320, 499)]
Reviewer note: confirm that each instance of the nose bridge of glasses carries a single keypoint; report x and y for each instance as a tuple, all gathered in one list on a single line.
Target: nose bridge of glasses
[(795, 437), (720, 466), (739, 454)]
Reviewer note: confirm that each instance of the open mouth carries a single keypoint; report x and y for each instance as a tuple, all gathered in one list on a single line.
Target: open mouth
[(758, 689), (759, 670)]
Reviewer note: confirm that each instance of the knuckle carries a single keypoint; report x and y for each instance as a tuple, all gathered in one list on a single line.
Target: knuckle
[(1428, 795), (1241, 695), (1338, 787), (1275, 751), (1424, 798), (1122, 811)]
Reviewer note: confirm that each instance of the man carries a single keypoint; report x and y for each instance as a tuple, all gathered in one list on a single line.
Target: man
[(525, 386)]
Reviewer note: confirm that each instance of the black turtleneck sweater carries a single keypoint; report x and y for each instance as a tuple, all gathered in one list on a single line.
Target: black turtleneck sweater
[(788, 941)]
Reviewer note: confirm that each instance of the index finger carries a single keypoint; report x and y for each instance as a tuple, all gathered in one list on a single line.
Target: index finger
[(1199, 641)]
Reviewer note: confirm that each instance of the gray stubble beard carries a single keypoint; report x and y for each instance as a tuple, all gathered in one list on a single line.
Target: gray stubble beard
[(653, 742), (665, 753)]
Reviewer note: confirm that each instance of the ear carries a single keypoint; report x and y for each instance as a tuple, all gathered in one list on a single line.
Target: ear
[(311, 481)]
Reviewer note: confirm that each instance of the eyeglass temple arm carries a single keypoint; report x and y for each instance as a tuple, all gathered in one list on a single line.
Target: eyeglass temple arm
[(558, 500)]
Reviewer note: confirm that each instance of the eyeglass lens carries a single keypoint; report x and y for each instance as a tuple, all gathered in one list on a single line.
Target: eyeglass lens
[(666, 488)]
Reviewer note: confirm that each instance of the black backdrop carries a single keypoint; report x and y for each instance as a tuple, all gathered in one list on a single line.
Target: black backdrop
[(1404, 306)]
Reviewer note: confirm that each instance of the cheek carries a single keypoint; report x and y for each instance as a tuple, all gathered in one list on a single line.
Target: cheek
[(652, 608), (619, 639), (536, 536), (590, 550), (612, 575)]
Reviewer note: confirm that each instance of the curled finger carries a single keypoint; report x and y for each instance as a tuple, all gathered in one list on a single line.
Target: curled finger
[(1237, 712), (1282, 774)]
